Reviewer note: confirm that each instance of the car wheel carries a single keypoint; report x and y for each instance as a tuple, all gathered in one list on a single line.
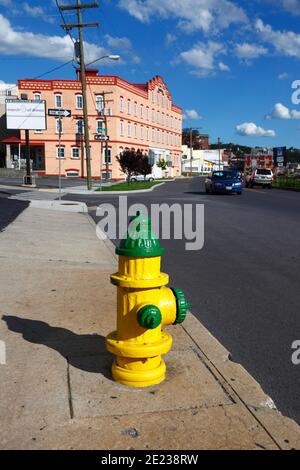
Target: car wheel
[(151, 179), (133, 179), (251, 185), (239, 193), (270, 186)]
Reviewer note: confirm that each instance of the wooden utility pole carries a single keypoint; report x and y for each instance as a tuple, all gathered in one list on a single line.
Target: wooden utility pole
[(80, 25)]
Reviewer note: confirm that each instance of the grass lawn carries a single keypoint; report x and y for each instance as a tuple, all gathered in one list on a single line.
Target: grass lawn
[(132, 186), (287, 183)]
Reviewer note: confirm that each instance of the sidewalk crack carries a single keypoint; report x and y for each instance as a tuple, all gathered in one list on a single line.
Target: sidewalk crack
[(70, 400)]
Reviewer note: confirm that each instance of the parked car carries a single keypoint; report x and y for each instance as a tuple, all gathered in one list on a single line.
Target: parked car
[(260, 177), (224, 182), (142, 178)]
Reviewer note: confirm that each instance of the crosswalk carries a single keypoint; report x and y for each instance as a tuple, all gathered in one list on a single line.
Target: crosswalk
[(34, 196)]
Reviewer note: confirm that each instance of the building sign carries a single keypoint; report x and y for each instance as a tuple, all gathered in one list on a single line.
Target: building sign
[(26, 115), (280, 156)]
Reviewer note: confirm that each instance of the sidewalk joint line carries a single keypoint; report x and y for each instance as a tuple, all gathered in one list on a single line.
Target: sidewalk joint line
[(232, 389), (69, 390)]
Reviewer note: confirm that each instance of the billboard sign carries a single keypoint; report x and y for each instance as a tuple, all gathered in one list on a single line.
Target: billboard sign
[(25, 115)]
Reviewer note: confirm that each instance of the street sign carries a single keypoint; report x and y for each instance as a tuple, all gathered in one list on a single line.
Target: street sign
[(101, 137), (59, 112)]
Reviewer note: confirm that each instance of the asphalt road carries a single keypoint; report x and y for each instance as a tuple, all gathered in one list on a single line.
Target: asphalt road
[(244, 285), (9, 209)]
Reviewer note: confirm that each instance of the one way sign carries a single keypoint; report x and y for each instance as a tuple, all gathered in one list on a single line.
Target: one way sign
[(59, 112)]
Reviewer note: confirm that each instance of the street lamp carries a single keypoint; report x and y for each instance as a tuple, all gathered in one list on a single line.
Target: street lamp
[(111, 57)]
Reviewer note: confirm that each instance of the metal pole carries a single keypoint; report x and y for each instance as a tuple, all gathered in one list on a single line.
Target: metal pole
[(191, 149), (19, 156), (106, 142), (59, 154), (219, 153), (101, 164), (28, 167), (84, 99)]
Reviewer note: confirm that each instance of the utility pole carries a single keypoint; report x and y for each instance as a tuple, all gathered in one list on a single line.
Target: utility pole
[(219, 147), (59, 155), (80, 25), (104, 102)]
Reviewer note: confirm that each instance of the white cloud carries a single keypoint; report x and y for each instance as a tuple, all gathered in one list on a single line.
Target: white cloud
[(283, 76), (224, 67), (36, 12), (202, 57), (118, 43), (33, 11), (282, 112), (122, 45), (252, 130), (291, 6), (170, 39), (192, 15), (191, 114), (249, 51), (5, 2), (285, 42), (13, 42)]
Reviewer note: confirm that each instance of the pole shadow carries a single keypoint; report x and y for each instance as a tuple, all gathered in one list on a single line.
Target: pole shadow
[(81, 351)]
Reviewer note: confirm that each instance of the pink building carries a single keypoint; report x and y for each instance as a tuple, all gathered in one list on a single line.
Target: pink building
[(138, 116)]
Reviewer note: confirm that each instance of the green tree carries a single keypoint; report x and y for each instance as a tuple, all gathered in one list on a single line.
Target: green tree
[(144, 166), (134, 162), (128, 163), (162, 164)]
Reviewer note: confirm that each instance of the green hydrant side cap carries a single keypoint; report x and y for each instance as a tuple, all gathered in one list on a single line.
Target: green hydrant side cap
[(140, 242), (149, 317), (182, 306)]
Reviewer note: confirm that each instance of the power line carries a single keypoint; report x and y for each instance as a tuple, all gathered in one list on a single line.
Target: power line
[(64, 22), (53, 70), (46, 73)]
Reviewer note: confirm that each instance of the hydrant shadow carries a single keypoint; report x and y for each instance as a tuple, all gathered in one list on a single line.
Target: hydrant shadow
[(81, 351)]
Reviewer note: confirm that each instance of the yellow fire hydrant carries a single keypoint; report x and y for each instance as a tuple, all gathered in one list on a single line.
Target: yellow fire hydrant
[(144, 305)]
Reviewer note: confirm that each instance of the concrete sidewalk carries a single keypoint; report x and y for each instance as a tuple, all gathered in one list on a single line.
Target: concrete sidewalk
[(57, 306)]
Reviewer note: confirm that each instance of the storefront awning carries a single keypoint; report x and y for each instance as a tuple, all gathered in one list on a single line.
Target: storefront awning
[(11, 140)]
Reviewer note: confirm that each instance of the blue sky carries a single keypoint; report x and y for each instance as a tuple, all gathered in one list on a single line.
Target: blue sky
[(229, 64)]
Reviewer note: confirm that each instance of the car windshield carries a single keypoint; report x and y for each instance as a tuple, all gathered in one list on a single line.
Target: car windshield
[(263, 172), (224, 175)]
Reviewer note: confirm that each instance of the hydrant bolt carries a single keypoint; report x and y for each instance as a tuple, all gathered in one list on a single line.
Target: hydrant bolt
[(149, 317)]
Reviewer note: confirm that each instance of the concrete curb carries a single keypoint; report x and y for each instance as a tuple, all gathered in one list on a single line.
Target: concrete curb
[(105, 193), (242, 387), (65, 206)]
